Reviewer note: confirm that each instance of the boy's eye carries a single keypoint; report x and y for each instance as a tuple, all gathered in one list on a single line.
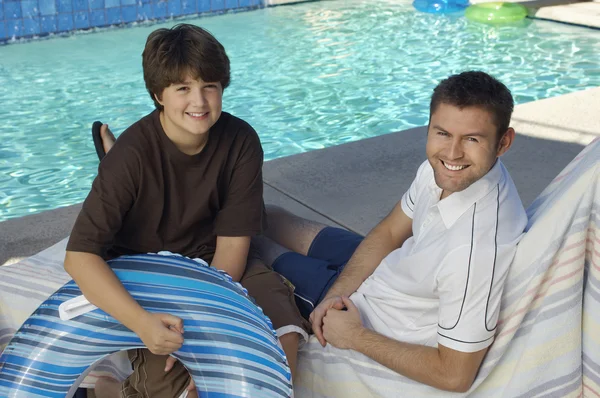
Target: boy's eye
[(211, 86), (184, 88)]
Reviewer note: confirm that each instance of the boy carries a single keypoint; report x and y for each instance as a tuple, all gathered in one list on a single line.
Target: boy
[(187, 178)]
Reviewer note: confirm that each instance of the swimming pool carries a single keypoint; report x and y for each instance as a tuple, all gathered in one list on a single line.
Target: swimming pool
[(306, 76)]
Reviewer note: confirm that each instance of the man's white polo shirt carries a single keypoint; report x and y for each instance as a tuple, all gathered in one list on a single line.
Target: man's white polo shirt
[(444, 284)]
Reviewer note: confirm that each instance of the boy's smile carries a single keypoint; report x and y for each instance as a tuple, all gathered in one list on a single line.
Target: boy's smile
[(190, 109)]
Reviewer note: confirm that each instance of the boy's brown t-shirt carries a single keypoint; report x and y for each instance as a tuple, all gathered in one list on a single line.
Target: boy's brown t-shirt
[(149, 196)]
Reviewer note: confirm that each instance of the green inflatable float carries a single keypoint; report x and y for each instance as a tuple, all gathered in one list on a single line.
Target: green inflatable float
[(496, 13)]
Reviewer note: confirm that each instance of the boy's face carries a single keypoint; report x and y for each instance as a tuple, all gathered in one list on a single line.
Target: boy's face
[(191, 108), (462, 146)]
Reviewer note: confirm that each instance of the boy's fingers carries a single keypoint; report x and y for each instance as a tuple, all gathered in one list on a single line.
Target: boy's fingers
[(170, 362), (172, 321)]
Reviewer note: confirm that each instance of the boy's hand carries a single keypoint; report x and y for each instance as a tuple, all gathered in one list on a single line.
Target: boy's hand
[(161, 333), (170, 362)]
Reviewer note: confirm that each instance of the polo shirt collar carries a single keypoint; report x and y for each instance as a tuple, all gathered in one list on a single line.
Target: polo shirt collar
[(454, 206)]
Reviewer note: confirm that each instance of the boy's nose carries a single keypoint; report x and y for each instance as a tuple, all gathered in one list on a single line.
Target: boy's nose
[(198, 97)]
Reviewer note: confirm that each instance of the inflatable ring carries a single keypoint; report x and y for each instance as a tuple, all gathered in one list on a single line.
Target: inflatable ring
[(496, 13), (230, 348), (440, 6)]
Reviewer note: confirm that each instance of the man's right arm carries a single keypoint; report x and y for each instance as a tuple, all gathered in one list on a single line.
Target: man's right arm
[(101, 287), (386, 237)]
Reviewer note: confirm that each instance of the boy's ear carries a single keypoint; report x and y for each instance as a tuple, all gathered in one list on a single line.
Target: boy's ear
[(158, 99)]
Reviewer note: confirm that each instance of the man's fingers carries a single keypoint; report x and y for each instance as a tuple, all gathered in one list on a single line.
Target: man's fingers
[(349, 304), (317, 328)]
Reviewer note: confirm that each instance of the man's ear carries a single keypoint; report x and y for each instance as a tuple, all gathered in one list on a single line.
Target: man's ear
[(506, 141)]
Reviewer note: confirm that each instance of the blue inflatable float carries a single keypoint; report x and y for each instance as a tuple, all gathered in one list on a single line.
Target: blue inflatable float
[(230, 348), (440, 6)]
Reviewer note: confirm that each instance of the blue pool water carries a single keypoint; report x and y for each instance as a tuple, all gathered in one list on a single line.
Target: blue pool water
[(306, 76)]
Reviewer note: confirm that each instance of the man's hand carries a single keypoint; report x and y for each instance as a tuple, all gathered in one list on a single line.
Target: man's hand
[(316, 317), (170, 363), (340, 328), (161, 333)]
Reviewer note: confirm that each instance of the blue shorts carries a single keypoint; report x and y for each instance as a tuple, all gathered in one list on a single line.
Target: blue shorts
[(313, 275)]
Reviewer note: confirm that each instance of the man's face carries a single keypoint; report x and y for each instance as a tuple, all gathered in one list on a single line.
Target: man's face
[(191, 108), (462, 146)]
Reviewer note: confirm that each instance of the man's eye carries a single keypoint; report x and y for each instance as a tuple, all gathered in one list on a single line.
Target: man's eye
[(472, 139), (442, 133)]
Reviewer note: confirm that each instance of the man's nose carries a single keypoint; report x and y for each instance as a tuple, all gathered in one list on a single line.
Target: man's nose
[(456, 150)]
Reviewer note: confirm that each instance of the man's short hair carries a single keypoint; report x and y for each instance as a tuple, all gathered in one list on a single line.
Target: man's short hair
[(476, 88), (171, 54)]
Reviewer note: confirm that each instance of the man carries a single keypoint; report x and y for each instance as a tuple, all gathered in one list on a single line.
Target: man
[(420, 294)]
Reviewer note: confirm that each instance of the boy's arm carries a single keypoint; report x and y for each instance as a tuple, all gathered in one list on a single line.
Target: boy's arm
[(101, 287), (231, 255)]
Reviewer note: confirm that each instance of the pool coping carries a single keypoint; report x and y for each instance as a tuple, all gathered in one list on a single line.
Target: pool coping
[(354, 185)]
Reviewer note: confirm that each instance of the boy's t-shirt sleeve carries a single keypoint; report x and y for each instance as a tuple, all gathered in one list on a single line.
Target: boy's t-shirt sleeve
[(243, 211), (111, 196)]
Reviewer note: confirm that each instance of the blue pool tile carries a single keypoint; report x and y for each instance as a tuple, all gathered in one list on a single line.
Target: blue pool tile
[(96, 4), (231, 3), (145, 12), (204, 5), (31, 26), (188, 7), (97, 18), (29, 8), (80, 5), (1, 15), (113, 16), (112, 3), (65, 22), (159, 9), (47, 7), (129, 14), (128, 2), (12, 10), (2, 30), (64, 6), (81, 19), (14, 28), (244, 3), (173, 8), (48, 24), (217, 5)]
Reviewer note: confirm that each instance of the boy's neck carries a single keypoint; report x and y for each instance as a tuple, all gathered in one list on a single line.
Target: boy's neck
[(190, 145)]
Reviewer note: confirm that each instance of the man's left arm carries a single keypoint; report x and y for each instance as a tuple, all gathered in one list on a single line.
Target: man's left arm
[(231, 255), (440, 367)]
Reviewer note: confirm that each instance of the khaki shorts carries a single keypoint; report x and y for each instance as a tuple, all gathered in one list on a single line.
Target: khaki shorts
[(271, 293)]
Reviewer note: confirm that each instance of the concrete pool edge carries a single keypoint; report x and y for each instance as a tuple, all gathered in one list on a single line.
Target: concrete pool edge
[(355, 184)]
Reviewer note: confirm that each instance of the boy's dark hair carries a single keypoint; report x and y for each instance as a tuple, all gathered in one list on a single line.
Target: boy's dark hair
[(171, 54), (476, 88)]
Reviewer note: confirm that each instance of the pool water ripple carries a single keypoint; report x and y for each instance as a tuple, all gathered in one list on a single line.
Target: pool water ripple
[(306, 77)]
